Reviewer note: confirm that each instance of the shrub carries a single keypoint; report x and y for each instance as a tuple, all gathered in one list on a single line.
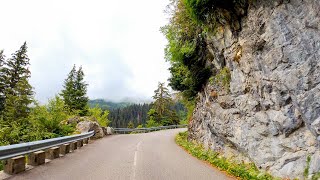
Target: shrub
[(152, 123), (222, 79), (47, 120), (100, 115)]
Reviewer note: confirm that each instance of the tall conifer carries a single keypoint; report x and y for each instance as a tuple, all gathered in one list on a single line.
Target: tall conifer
[(18, 91), (75, 92)]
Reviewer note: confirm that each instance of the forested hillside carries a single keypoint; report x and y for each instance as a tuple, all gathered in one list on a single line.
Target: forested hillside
[(108, 105), (138, 114)]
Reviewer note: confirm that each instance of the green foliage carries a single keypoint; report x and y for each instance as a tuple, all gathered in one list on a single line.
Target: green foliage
[(140, 126), (240, 170), (316, 176), (153, 115), (137, 113), (48, 120), (163, 111), (100, 115), (162, 99), (192, 21), (18, 92), (183, 122), (306, 170), (130, 125), (186, 51), (75, 92), (152, 123), (222, 79), (197, 9), (215, 11), (189, 105), (16, 97)]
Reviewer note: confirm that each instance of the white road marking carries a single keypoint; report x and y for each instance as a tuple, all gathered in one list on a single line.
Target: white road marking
[(135, 161), (135, 158), (138, 145)]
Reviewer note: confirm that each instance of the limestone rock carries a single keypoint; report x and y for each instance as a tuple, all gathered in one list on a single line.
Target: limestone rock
[(110, 130), (271, 116), (74, 120), (107, 131), (86, 126)]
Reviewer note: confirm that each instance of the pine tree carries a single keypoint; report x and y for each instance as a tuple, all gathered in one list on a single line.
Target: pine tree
[(162, 99), (75, 92), (18, 92), (68, 93), (81, 93), (163, 106), (18, 96)]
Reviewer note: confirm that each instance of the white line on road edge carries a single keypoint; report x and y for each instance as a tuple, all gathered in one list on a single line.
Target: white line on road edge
[(135, 161), (135, 158)]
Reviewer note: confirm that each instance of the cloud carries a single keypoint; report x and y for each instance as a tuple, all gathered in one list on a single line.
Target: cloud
[(118, 43)]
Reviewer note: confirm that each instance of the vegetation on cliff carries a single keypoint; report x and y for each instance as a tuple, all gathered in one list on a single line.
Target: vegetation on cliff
[(191, 22)]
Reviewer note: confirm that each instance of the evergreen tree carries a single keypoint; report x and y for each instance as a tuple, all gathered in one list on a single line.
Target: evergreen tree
[(68, 93), (81, 93), (18, 92), (18, 96), (163, 107), (75, 92), (162, 99), (17, 104)]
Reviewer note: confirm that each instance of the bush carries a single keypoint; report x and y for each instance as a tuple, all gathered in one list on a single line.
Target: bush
[(140, 126), (152, 123), (48, 120), (100, 115), (222, 79)]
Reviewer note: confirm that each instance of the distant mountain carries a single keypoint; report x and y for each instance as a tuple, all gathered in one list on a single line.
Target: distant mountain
[(104, 104)]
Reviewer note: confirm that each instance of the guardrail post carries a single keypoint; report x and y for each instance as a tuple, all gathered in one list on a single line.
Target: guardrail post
[(74, 146), (64, 149), (53, 153), (86, 141), (37, 158), (80, 143), (15, 165)]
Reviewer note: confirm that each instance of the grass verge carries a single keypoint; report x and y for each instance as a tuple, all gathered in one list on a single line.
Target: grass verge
[(239, 170), (1, 165)]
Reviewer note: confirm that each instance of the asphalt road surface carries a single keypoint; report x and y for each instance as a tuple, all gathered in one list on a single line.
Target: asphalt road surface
[(150, 156)]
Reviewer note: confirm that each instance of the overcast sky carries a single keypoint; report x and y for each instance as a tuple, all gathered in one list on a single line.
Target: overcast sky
[(118, 44)]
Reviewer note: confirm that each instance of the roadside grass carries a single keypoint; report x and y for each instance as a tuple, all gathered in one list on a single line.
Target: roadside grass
[(239, 170)]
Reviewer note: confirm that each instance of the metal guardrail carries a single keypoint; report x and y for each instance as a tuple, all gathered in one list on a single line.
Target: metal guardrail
[(10, 151), (144, 130)]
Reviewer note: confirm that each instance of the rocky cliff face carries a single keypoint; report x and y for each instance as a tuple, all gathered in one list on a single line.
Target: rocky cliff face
[(270, 114)]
